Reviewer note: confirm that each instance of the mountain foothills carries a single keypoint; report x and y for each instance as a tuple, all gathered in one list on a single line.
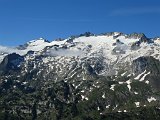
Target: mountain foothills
[(111, 76)]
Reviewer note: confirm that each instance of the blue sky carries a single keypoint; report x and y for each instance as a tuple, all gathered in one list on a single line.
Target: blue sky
[(24, 20)]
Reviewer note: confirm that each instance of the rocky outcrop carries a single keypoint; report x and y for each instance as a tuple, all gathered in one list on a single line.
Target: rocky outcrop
[(11, 62)]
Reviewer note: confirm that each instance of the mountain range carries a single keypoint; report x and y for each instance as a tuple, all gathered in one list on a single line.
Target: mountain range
[(110, 76)]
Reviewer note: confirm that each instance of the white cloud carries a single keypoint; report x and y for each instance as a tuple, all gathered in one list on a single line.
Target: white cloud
[(9, 50), (6, 49)]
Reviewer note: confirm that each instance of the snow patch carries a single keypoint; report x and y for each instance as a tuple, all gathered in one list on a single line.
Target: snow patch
[(112, 87), (151, 99), (147, 82), (137, 104), (107, 106), (120, 83), (123, 73), (24, 83), (124, 110), (128, 84), (136, 93), (103, 96), (138, 77), (142, 79)]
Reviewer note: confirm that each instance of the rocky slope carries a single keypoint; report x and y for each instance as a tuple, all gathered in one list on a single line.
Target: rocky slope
[(86, 77)]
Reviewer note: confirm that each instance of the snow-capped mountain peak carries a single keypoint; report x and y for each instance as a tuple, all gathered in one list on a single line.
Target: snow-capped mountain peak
[(37, 42)]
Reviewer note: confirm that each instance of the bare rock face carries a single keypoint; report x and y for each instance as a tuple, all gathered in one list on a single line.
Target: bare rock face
[(11, 62), (146, 63)]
